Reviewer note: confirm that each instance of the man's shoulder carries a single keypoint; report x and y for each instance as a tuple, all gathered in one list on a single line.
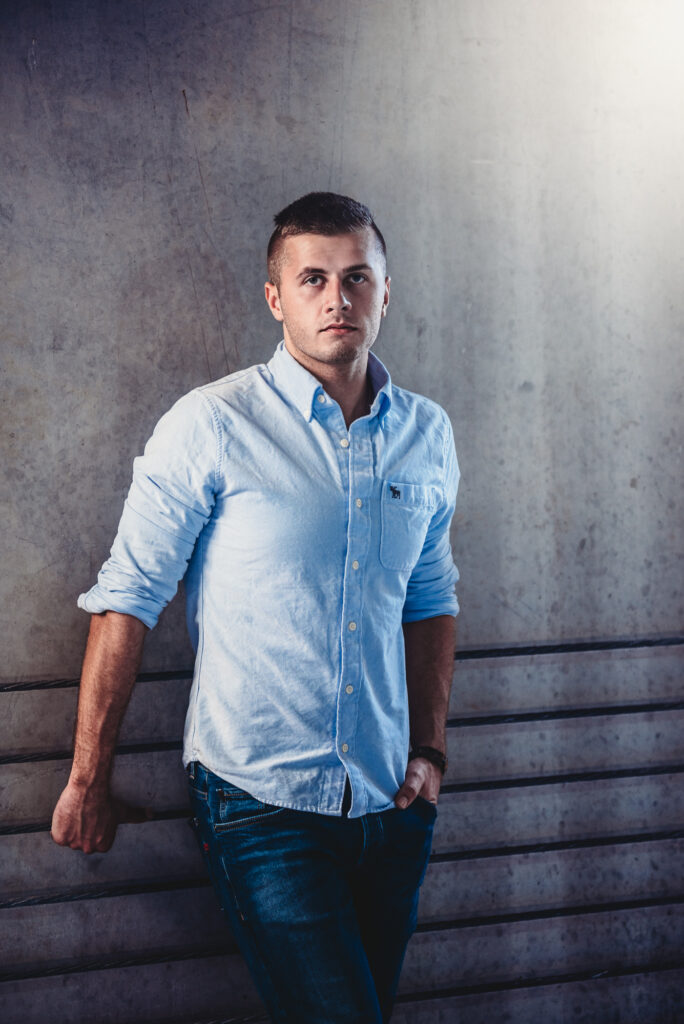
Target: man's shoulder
[(201, 408), (424, 410), (234, 384)]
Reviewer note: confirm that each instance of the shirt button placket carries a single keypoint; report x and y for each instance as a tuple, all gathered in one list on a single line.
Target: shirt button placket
[(349, 606), (360, 484)]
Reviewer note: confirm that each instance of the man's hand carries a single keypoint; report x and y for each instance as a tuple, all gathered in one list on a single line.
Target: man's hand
[(88, 820), (423, 778)]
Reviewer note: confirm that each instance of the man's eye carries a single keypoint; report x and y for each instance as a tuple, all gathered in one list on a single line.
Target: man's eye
[(357, 278), (314, 279)]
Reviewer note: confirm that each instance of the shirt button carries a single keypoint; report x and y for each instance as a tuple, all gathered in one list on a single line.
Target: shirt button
[(349, 689), (359, 503), (355, 564), (321, 398), (344, 442), (345, 748), (352, 626)]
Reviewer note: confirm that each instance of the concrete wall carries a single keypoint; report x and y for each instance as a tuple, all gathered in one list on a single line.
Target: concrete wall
[(524, 159)]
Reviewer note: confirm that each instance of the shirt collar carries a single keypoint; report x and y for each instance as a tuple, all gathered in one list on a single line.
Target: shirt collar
[(301, 387)]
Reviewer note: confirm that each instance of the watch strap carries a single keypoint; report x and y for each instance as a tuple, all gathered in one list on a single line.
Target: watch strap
[(431, 754)]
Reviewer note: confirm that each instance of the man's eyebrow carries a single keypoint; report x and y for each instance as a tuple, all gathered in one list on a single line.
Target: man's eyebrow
[(310, 271)]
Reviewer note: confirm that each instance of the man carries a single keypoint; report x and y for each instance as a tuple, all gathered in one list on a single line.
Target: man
[(307, 502)]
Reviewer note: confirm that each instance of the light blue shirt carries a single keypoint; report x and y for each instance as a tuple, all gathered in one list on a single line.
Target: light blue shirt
[(304, 547)]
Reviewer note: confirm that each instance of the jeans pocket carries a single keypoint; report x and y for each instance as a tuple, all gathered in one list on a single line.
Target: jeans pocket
[(424, 808), (232, 808)]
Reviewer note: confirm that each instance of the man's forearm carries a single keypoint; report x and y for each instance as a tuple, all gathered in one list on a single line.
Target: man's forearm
[(430, 645), (87, 816), (110, 667)]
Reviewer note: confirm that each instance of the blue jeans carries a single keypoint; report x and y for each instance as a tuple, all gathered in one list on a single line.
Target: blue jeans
[(321, 906)]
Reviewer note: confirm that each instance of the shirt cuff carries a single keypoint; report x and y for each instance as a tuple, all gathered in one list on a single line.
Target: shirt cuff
[(98, 600), (447, 606)]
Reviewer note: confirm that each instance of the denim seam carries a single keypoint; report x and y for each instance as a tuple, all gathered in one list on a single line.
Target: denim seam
[(221, 827)]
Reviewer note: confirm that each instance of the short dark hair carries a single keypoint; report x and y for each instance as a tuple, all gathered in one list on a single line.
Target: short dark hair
[(318, 213)]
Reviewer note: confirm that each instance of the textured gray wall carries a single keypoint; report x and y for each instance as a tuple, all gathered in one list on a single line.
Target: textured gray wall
[(525, 160)]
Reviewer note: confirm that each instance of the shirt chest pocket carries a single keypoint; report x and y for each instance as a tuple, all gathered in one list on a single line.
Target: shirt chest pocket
[(406, 510)]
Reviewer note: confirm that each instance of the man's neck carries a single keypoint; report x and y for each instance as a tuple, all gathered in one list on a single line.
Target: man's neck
[(354, 396), (348, 384)]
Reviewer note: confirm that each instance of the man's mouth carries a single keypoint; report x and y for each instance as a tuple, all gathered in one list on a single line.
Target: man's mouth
[(340, 328)]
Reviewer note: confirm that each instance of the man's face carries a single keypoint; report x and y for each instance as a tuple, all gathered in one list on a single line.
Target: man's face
[(332, 295)]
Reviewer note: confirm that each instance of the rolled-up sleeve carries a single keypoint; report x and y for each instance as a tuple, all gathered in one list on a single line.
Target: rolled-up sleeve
[(170, 500), (430, 589)]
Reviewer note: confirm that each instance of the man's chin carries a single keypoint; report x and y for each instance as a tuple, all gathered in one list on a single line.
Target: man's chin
[(341, 354), (336, 351), (325, 350)]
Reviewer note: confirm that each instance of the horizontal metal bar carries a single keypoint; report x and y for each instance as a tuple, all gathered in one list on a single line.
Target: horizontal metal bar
[(454, 787), (568, 648), (577, 910), (174, 884), (474, 921), (103, 891), (26, 828), (596, 711), (63, 684), (558, 846), (560, 778), (467, 654), (151, 747), (108, 962), (104, 963), (483, 989), (463, 722), (515, 984)]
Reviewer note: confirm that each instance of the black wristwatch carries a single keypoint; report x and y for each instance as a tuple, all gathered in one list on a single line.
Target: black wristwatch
[(432, 755)]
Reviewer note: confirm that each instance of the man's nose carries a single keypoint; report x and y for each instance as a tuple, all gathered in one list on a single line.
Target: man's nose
[(336, 297)]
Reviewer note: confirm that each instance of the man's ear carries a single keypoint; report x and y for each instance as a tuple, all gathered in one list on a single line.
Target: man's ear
[(273, 300), (385, 300)]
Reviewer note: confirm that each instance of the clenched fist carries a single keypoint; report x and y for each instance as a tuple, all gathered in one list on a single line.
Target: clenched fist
[(87, 819)]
